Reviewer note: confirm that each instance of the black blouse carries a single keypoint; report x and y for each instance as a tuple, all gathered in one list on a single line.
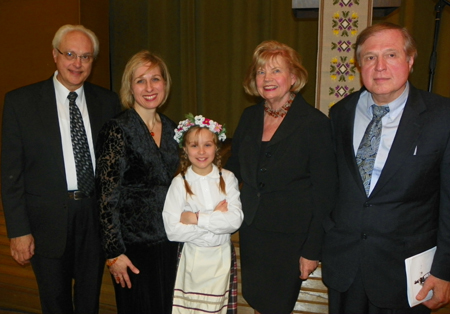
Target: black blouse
[(133, 175)]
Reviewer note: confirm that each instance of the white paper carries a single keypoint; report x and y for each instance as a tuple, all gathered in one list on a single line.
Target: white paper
[(418, 269)]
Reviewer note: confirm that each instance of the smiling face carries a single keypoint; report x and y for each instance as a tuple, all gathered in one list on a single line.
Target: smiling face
[(73, 73), (274, 81), (385, 67), (200, 147), (148, 87)]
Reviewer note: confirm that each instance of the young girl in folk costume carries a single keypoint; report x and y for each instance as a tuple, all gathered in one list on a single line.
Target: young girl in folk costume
[(201, 210)]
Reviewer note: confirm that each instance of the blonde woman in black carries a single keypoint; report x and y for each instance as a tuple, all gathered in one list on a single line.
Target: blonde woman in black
[(283, 155), (137, 159)]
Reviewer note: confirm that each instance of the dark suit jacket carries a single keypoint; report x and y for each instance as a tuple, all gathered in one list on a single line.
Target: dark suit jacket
[(34, 187), (294, 186), (408, 211)]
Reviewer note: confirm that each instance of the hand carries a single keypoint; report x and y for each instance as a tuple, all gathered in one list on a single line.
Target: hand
[(441, 292), (307, 267), (22, 249), (188, 218), (222, 206), (120, 270)]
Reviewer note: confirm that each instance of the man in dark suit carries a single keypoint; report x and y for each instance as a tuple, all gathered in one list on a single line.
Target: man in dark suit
[(399, 206), (52, 221)]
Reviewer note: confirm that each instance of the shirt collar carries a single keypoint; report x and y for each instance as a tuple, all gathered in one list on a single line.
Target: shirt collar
[(192, 176), (62, 92)]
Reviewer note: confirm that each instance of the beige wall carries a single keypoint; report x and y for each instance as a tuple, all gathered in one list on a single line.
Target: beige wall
[(28, 27)]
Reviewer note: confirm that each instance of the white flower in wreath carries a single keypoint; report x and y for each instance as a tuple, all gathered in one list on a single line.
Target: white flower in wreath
[(199, 120), (185, 125)]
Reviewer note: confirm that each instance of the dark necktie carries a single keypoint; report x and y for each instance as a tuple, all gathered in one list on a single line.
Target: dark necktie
[(367, 151), (82, 155)]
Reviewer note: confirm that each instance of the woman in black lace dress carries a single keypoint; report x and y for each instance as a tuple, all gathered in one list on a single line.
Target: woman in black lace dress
[(137, 158)]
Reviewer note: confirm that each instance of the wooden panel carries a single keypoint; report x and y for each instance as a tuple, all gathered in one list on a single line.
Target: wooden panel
[(19, 298), (95, 16), (107, 296), (18, 289), (28, 28)]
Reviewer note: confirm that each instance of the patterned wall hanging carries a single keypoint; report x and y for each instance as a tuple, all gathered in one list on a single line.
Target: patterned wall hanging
[(340, 22)]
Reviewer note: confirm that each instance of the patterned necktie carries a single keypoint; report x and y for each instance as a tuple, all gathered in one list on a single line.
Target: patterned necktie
[(367, 151), (82, 155)]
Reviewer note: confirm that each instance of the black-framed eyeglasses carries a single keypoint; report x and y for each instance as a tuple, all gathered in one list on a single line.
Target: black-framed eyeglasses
[(70, 55)]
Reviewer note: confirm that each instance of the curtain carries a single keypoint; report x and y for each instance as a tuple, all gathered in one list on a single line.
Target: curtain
[(208, 46)]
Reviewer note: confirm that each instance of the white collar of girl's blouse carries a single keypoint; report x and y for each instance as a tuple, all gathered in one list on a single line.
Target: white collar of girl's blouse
[(192, 176)]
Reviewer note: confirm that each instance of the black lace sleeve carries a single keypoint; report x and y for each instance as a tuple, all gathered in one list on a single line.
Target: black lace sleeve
[(110, 157)]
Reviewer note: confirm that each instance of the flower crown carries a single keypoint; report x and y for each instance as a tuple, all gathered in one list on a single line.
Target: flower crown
[(202, 122)]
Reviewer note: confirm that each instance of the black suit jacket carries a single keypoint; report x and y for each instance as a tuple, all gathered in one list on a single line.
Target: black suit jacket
[(408, 211), (34, 187), (294, 186)]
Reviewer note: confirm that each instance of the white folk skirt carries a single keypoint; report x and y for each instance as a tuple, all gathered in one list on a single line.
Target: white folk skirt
[(203, 280)]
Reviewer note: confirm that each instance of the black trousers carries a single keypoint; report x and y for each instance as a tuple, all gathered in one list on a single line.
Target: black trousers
[(71, 284), (355, 301)]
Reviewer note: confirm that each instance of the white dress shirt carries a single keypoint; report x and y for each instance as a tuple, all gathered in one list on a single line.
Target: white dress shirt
[(390, 123), (214, 227), (62, 104)]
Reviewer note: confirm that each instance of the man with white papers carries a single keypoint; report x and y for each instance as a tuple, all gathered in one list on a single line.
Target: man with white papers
[(393, 152)]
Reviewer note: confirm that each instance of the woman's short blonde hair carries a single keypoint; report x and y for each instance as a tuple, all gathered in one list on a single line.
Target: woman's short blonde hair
[(267, 51), (141, 58)]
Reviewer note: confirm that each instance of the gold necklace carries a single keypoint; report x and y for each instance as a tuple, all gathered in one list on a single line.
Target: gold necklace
[(279, 112)]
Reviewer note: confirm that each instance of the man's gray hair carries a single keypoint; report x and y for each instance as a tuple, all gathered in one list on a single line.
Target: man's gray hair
[(63, 30)]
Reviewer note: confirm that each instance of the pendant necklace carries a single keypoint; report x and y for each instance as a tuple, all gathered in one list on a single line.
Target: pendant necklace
[(151, 128)]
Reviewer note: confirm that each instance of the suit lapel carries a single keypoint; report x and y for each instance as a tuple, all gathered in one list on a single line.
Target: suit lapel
[(348, 121), (48, 114), (291, 121), (405, 139)]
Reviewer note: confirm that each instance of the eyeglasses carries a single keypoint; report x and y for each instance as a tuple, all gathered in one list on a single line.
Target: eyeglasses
[(73, 56)]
